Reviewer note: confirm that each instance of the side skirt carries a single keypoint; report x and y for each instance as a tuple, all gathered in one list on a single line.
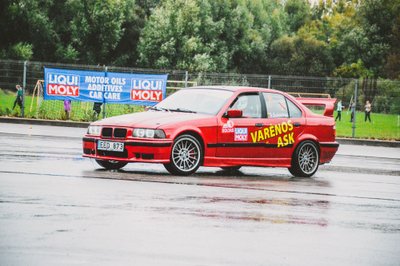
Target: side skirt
[(225, 162)]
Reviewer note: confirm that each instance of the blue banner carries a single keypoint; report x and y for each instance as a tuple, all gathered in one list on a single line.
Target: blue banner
[(105, 87)]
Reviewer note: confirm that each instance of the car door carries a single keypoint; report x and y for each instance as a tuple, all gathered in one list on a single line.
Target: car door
[(281, 127), (234, 133)]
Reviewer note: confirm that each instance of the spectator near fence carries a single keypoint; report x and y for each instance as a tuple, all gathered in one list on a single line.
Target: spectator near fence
[(367, 111), (18, 99), (339, 109), (67, 108), (97, 110)]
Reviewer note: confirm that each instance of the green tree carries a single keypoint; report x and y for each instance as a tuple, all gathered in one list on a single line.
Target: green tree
[(369, 36), (89, 31), (22, 51), (211, 35), (260, 24), (96, 28), (134, 18), (392, 68), (331, 23), (387, 32), (299, 13), (353, 70), (26, 22), (372, 41), (301, 55), (163, 43)]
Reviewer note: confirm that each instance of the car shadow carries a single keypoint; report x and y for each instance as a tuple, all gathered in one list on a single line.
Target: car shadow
[(209, 175)]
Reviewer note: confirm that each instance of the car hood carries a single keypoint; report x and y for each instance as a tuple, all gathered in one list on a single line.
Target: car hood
[(149, 119)]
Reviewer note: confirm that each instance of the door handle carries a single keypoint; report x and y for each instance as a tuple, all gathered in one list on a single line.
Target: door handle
[(259, 124), (296, 124)]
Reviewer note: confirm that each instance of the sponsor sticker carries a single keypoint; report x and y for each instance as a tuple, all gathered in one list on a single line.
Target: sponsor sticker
[(228, 127), (241, 134), (283, 132)]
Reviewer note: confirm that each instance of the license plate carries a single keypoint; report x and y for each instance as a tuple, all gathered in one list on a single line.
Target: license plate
[(110, 146)]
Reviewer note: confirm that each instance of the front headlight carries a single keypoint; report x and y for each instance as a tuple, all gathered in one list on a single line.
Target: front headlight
[(94, 130), (148, 133)]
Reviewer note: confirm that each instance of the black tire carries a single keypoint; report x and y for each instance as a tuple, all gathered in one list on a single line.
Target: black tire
[(186, 156), (305, 160), (231, 168), (111, 165)]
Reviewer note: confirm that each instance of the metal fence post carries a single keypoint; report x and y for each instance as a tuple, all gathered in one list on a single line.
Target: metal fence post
[(104, 100), (269, 82), (186, 78), (23, 89), (353, 133)]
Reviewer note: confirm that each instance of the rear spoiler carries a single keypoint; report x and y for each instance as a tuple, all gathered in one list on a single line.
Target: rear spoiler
[(328, 103)]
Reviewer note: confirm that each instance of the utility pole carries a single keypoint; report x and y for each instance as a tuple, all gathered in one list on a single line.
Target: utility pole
[(353, 134), (23, 89)]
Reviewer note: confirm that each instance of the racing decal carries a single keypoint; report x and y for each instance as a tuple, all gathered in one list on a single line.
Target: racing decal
[(241, 134), (284, 132), (228, 127)]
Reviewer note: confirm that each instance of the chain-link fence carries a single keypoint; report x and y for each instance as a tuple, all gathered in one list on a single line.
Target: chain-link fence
[(383, 94)]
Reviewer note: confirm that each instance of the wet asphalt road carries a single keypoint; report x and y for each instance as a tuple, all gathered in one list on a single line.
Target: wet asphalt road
[(57, 208)]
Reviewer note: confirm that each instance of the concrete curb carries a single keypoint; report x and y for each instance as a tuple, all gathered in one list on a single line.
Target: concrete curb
[(61, 123), (369, 142)]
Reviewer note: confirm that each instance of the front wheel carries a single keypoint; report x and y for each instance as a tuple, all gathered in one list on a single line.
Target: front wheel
[(186, 156), (305, 160), (111, 165)]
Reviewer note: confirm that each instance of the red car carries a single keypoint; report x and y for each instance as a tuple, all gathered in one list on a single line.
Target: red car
[(218, 126)]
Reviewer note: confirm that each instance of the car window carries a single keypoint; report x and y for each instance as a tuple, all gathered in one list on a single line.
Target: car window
[(250, 104), (206, 101), (294, 111), (276, 105)]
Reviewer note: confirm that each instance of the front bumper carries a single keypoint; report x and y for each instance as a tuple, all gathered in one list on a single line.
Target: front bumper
[(154, 150)]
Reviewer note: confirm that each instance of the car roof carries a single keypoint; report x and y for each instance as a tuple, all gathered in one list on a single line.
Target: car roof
[(233, 88)]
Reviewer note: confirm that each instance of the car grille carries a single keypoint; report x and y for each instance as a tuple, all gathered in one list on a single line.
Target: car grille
[(109, 132), (119, 132)]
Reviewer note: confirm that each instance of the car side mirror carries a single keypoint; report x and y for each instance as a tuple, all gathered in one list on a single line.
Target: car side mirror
[(234, 113)]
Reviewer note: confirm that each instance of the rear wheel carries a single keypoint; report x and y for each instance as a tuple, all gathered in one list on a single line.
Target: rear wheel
[(186, 156), (111, 165), (305, 160)]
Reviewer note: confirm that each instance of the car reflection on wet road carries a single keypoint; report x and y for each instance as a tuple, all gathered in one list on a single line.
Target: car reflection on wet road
[(57, 208)]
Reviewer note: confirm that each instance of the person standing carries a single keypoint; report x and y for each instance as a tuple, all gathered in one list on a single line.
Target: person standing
[(97, 110), (18, 99), (67, 108), (339, 109), (367, 111)]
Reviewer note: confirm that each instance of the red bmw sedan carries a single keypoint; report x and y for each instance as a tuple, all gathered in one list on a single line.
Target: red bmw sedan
[(219, 126)]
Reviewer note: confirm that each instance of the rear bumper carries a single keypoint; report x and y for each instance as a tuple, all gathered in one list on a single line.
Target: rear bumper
[(152, 151), (328, 150)]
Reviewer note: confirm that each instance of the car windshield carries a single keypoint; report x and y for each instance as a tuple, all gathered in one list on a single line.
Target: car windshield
[(206, 101)]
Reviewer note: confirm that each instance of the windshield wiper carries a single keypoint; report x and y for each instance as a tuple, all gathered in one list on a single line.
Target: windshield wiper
[(182, 110), (155, 108)]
